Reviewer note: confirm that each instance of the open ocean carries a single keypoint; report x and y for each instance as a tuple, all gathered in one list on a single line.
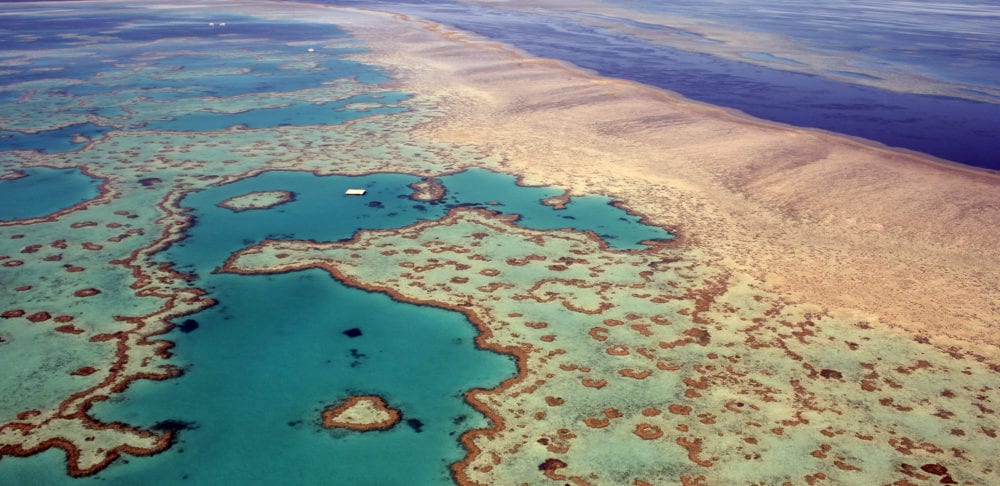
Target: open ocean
[(954, 44)]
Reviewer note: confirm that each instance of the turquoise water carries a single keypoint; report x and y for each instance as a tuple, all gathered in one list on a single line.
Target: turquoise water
[(273, 354), (622, 231), (297, 114), (320, 211), (262, 364), (58, 140), (164, 58), (44, 191)]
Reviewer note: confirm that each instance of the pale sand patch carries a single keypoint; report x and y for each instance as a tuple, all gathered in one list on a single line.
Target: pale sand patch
[(361, 413), (257, 200), (819, 217)]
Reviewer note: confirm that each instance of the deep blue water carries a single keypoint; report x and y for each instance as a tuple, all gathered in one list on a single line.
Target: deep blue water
[(952, 40), (44, 191), (951, 128)]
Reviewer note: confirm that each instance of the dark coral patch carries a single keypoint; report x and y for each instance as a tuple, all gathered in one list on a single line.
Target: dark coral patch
[(831, 374), (86, 292), (188, 325), (353, 332), (40, 316), (172, 425), (84, 371), (551, 464), (648, 431)]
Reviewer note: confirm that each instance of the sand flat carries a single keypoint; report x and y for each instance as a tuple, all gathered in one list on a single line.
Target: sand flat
[(822, 217)]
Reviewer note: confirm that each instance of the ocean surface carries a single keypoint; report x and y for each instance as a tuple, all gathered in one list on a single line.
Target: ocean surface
[(951, 42), (177, 60), (19, 198), (956, 41), (261, 365)]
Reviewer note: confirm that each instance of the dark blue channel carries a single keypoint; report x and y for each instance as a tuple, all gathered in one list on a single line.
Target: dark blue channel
[(950, 128)]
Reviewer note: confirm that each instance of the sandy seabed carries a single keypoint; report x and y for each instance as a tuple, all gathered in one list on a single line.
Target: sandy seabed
[(898, 241), (832, 220), (864, 232)]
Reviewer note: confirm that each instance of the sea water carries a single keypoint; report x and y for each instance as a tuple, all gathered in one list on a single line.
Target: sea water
[(955, 41), (262, 364), (43, 191), (962, 43), (169, 56)]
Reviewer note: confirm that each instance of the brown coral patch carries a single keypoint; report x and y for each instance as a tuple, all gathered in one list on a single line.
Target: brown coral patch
[(378, 415), (678, 409), (935, 469), (648, 431), (427, 189), (638, 375), (40, 316), (831, 374), (693, 447), (89, 292), (557, 202), (554, 401), (550, 466)]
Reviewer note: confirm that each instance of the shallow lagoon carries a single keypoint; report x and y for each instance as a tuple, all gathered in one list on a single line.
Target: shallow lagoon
[(262, 364), (164, 59), (43, 191)]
